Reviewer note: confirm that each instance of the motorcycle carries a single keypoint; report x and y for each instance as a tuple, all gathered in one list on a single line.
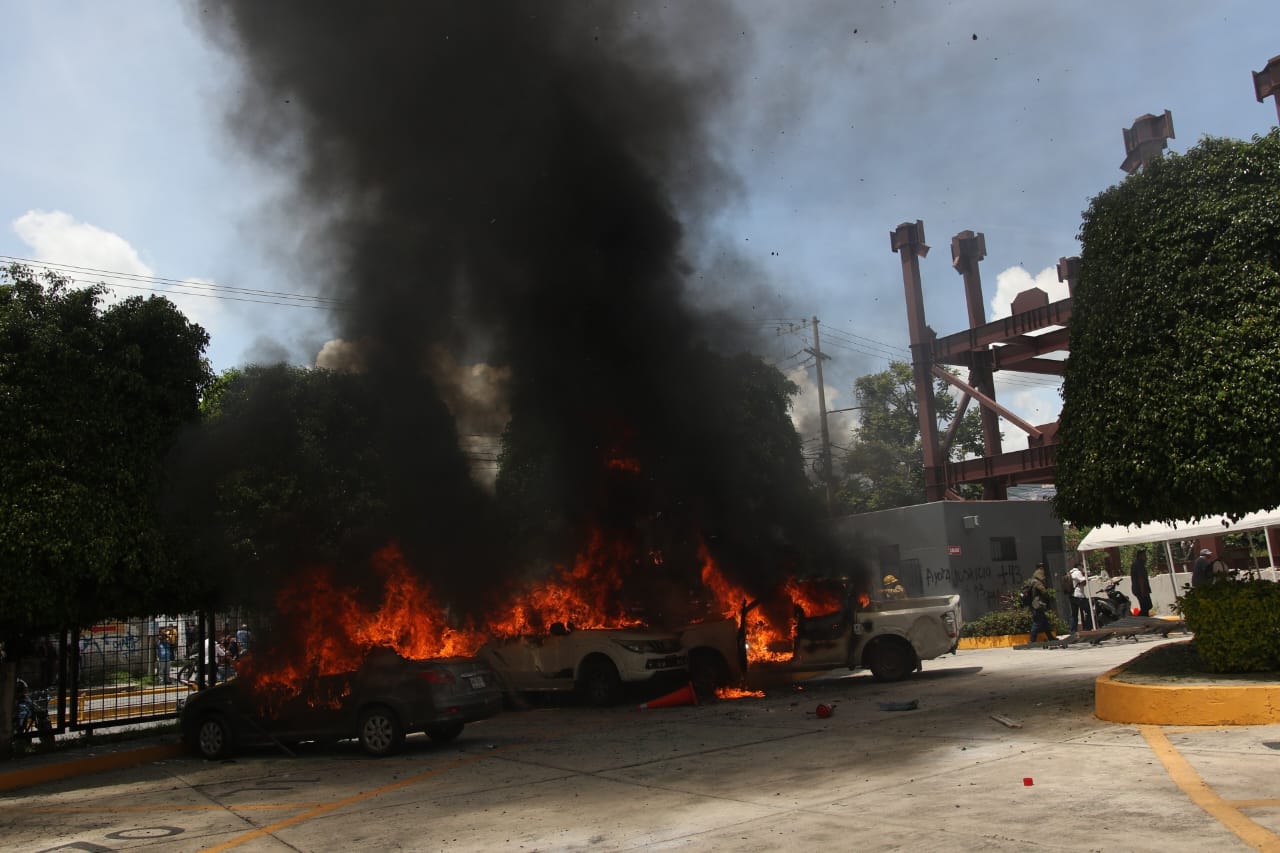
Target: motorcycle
[(1110, 604), (31, 715)]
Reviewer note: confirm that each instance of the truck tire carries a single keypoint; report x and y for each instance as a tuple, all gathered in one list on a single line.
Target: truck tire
[(599, 681), (890, 659), (708, 671)]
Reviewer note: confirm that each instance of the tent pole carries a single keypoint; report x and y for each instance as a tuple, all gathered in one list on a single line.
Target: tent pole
[(1173, 569)]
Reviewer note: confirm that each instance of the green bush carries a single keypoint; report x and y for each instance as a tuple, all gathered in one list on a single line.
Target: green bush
[(1008, 620), (1236, 623)]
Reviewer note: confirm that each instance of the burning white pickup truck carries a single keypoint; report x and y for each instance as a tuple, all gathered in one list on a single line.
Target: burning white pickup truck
[(598, 662), (891, 638)]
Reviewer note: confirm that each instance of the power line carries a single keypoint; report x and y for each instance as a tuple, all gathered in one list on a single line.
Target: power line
[(160, 284)]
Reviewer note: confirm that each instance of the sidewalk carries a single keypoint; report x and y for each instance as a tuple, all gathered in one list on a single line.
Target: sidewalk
[(72, 759)]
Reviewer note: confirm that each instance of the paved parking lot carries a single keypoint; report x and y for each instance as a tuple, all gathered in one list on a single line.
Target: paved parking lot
[(752, 774)]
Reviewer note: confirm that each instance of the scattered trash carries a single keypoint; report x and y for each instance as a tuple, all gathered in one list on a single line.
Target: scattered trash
[(911, 705), (1026, 782), (1006, 721), (823, 711)]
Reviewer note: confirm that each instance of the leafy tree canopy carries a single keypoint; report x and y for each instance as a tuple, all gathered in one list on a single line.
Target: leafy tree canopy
[(884, 466), (93, 399), (1171, 406)]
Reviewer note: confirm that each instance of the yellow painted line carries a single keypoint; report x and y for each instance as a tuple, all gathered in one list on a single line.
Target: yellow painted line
[(176, 807), (1255, 804), (94, 764), (324, 809), (1199, 792)]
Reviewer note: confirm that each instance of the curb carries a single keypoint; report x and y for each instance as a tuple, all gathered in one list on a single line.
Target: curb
[(28, 776), (999, 642), (1189, 705)]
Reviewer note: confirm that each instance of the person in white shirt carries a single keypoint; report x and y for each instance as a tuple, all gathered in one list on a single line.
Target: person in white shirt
[(1079, 599)]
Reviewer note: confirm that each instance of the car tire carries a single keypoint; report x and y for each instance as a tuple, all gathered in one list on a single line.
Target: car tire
[(380, 732), (214, 739), (708, 672), (600, 683), (891, 660), (444, 732)]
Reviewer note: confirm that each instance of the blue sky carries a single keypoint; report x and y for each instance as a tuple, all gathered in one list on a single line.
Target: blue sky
[(848, 119)]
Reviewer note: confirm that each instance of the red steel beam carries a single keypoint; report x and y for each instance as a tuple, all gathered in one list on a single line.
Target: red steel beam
[(947, 349)]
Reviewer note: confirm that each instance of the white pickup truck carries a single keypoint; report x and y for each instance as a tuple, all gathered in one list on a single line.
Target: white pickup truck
[(891, 638), (597, 662)]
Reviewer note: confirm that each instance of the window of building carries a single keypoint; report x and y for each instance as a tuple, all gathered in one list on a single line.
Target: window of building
[(1004, 549)]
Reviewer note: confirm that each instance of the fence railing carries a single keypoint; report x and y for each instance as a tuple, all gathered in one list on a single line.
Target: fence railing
[(128, 671)]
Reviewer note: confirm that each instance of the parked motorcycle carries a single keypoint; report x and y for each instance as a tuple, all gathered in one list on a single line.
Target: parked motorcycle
[(31, 715), (1110, 604)]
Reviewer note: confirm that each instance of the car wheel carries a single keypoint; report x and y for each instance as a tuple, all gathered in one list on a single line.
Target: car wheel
[(600, 682), (892, 660), (214, 739), (444, 732), (380, 731), (708, 672)]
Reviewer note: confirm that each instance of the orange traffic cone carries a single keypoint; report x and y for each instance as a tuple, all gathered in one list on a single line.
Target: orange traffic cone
[(683, 696)]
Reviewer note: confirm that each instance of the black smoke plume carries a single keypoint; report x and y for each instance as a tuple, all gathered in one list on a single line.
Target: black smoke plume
[(519, 184)]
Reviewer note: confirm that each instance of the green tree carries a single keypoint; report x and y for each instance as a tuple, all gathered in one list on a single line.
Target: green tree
[(93, 400), (884, 466), (1170, 404)]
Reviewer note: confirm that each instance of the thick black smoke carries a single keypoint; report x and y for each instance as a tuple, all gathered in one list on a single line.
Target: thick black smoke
[(516, 183)]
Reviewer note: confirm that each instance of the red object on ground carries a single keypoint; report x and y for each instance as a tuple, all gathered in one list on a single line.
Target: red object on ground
[(1026, 782), (683, 696), (823, 711), (1137, 612)]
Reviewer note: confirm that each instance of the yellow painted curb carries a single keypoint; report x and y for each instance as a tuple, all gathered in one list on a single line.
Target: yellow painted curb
[(1189, 705), (1002, 642), (26, 777)]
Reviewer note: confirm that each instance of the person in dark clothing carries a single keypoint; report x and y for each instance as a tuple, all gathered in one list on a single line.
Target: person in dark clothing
[(1140, 583), (1039, 605), (1202, 571)]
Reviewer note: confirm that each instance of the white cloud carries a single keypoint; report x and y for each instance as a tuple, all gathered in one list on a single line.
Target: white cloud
[(1014, 280), (56, 237)]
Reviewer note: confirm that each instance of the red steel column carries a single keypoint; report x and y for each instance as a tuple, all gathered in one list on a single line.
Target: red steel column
[(907, 240), (967, 250)]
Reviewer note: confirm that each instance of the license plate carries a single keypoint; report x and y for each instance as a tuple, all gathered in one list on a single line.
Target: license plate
[(477, 681)]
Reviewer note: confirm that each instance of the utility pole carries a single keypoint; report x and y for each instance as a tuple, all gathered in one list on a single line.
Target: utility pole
[(818, 356)]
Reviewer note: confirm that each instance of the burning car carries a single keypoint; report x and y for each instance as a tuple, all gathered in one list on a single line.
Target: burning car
[(597, 662), (386, 698)]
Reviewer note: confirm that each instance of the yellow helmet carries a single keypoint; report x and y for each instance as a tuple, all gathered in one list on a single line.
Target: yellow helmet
[(889, 580)]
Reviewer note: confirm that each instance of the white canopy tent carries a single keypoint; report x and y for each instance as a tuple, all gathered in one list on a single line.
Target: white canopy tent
[(1113, 536)]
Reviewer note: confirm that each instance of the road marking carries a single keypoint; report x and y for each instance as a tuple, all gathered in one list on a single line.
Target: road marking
[(172, 807), (1199, 792), (325, 808)]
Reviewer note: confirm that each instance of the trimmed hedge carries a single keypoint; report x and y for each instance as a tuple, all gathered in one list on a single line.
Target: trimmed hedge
[(1236, 623), (1008, 620)]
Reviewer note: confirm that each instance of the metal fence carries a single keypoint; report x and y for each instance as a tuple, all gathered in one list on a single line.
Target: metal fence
[(123, 672)]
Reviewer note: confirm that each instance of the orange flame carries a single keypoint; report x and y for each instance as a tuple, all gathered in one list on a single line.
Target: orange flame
[(335, 631), (586, 595), (738, 693)]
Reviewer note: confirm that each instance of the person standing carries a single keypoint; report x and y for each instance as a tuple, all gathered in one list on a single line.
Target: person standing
[(1039, 604), (1202, 571), (1079, 599), (1140, 582), (164, 654)]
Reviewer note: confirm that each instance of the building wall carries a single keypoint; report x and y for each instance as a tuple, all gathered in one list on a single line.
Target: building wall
[(976, 549)]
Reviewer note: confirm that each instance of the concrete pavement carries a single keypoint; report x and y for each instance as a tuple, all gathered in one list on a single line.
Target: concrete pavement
[(759, 774)]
